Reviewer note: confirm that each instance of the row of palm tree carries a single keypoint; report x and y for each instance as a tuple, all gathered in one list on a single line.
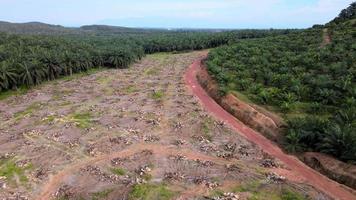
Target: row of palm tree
[(30, 60), (312, 86)]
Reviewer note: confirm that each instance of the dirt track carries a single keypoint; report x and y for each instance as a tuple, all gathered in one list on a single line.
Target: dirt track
[(64, 138), (309, 175)]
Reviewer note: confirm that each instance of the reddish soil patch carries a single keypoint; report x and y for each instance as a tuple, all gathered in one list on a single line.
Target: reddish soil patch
[(326, 38), (336, 190), (340, 171)]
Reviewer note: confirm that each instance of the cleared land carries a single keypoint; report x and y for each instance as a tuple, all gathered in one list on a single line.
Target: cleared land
[(136, 133)]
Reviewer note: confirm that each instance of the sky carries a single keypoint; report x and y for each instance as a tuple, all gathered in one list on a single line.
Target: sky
[(175, 13)]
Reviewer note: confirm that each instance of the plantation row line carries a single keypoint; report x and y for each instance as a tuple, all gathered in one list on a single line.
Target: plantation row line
[(313, 86), (29, 60)]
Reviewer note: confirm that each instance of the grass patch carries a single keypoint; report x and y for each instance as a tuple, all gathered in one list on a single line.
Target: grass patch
[(248, 187), (151, 191), (28, 111), (118, 171), (49, 119), (102, 194), (216, 193), (151, 71), (259, 191), (10, 170), (103, 80), (81, 120), (130, 89), (157, 95), (81, 74), (206, 129), (147, 177), (291, 195), (9, 93)]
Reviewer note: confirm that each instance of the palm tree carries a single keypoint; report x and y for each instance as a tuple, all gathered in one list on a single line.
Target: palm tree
[(7, 75), (25, 75), (52, 64), (32, 73), (340, 141)]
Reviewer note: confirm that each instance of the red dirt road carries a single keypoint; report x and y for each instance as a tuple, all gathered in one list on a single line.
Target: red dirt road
[(312, 177)]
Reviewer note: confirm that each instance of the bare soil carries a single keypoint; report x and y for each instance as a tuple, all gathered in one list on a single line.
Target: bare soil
[(326, 37), (64, 139)]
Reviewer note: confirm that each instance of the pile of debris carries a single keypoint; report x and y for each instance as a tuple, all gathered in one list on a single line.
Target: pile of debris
[(179, 142), (41, 173), (201, 139), (34, 133), (274, 178), (178, 126), (73, 143), (208, 147), (64, 192), (226, 155), (143, 170), (231, 147), (23, 163), (153, 122), (204, 163), (227, 196), (91, 150), (243, 150), (232, 168), (7, 155), (118, 161), (201, 180), (102, 176), (151, 138), (269, 163), (143, 173), (174, 176), (219, 124), (177, 158), (119, 140), (16, 196)]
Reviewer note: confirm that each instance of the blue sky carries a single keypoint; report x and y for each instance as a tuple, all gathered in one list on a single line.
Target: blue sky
[(175, 13)]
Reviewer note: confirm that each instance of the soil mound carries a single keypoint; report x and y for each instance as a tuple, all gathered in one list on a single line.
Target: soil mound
[(341, 172)]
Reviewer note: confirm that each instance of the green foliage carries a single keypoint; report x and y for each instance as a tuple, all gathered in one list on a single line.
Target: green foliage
[(206, 128), (102, 194), (118, 171), (291, 195), (28, 111), (82, 120), (157, 95), (150, 191), (9, 169), (130, 89), (312, 84)]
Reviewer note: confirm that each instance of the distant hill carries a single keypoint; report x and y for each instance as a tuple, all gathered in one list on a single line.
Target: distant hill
[(34, 28), (38, 28)]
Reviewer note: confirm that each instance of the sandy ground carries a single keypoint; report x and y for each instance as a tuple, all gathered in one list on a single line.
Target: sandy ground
[(63, 139)]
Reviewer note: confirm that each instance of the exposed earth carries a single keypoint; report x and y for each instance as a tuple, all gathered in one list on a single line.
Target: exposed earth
[(136, 133)]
